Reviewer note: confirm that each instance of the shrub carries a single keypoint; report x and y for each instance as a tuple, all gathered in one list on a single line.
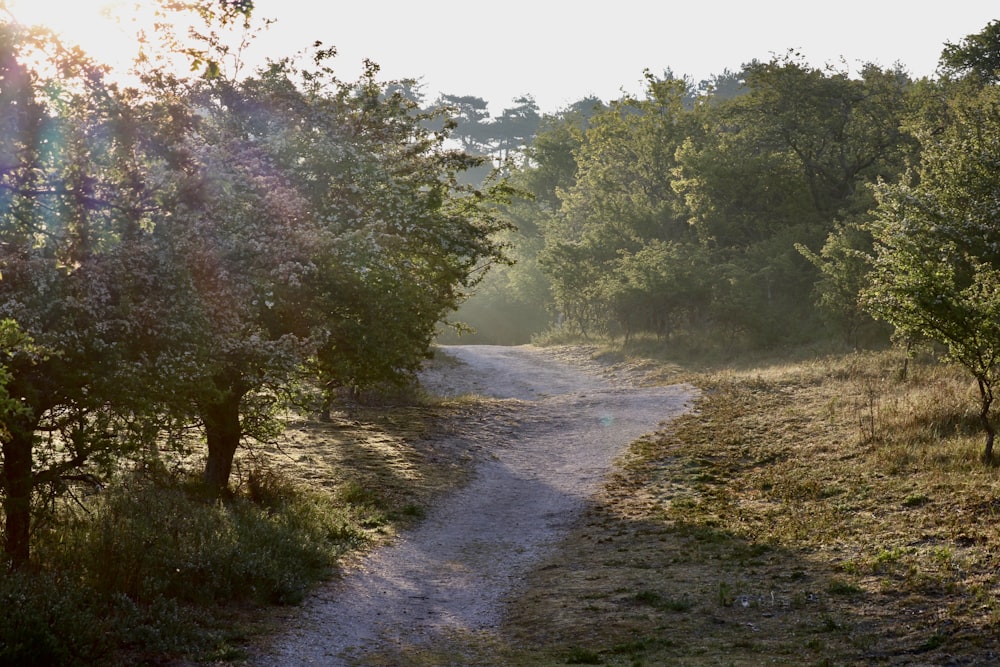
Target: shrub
[(143, 567)]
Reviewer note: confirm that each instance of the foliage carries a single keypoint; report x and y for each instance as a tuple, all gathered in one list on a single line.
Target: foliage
[(501, 139), (731, 183), (137, 576), (844, 262), (180, 254), (149, 541), (936, 267), (74, 222), (977, 56), (620, 199)]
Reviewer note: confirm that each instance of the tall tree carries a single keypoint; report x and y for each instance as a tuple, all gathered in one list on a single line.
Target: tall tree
[(515, 127), (774, 169), (327, 230), (471, 116), (622, 198), (841, 132)]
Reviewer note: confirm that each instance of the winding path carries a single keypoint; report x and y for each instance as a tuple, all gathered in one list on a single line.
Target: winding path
[(454, 570)]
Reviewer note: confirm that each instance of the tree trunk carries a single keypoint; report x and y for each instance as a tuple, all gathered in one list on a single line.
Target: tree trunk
[(17, 481), (986, 394), (222, 433)]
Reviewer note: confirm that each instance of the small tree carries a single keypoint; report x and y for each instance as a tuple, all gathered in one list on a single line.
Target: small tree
[(318, 225), (843, 263), (73, 226), (936, 263)]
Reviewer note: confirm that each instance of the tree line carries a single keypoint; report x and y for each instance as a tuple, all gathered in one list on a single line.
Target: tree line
[(188, 251), (780, 204)]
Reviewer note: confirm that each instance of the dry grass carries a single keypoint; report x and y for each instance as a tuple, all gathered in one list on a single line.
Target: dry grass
[(817, 513), (390, 461), (822, 512)]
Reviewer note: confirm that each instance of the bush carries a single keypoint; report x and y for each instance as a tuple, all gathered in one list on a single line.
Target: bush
[(44, 621), (143, 568)]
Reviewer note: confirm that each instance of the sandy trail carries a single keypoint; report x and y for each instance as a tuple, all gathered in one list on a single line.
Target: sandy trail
[(454, 570)]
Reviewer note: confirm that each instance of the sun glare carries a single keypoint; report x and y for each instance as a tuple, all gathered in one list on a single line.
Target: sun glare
[(106, 29)]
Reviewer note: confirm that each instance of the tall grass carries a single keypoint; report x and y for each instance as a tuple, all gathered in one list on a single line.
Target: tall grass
[(139, 570)]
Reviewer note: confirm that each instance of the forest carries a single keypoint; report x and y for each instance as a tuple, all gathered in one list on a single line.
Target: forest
[(185, 259)]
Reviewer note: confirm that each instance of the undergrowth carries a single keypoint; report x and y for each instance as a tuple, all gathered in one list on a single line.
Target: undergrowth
[(152, 569), (141, 569)]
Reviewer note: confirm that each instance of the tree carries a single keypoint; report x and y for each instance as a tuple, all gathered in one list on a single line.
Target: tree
[(721, 87), (977, 56), (514, 301), (843, 262), (247, 239), (774, 169), (471, 116), (322, 228), (409, 254), (515, 127), (658, 285), (551, 155), (621, 199), (74, 221), (840, 132), (936, 261)]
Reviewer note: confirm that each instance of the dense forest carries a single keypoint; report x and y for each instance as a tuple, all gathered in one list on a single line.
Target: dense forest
[(202, 253), (738, 211)]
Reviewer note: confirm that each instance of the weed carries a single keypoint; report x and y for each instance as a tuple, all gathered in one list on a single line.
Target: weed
[(582, 656), (844, 588), (915, 500)]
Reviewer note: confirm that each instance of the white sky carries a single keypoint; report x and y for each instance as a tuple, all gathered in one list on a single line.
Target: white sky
[(560, 51)]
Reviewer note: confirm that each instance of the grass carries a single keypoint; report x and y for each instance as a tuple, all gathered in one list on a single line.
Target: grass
[(145, 570), (818, 512), (152, 570)]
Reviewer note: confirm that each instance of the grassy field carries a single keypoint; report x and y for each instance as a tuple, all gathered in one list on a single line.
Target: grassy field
[(820, 512), (825, 512)]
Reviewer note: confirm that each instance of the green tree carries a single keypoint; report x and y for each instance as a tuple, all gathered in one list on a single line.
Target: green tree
[(622, 198), (774, 169), (660, 284), (840, 132), (74, 225), (936, 261), (977, 56), (843, 262), (326, 230), (515, 301), (551, 166)]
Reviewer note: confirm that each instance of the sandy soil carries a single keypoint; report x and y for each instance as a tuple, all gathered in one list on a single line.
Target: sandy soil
[(454, 571)]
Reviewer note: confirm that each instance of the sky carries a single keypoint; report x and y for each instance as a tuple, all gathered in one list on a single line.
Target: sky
[(559, 51)]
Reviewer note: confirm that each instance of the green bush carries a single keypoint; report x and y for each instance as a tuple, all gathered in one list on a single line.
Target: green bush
[(44, 621), (142, 570)]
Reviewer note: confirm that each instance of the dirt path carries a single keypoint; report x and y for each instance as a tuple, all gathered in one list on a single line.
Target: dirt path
[(453, 572)]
